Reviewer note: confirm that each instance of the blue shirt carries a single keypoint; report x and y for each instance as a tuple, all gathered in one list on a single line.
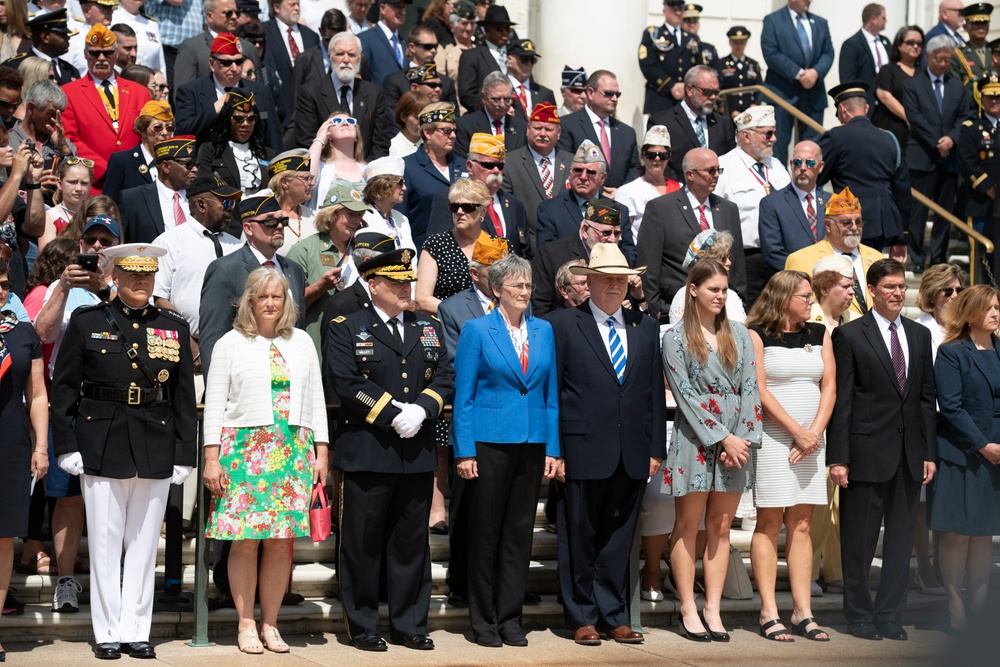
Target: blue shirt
[(15, 306), (177, 23)]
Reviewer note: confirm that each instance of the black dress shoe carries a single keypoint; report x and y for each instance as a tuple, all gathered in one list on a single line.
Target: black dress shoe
[(513, 638), (532, 598), (491, 641), (892, 630), (108, 651), (418, 642), (440, 528), (141, 650), (370, 643), (864, 630), (456, 600)]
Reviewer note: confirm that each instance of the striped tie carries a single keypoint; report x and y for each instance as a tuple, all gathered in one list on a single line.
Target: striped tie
[(546, 178), (898, 359), (617, 351)]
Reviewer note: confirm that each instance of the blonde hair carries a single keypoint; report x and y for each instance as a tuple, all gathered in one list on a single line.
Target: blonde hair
[(935, 279), (33, 69), (359, 144), (702, 270), (770, 310), (470, 188), (969, 306), (257, 283)]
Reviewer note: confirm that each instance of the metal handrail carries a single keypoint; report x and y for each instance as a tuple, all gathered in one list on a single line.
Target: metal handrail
[(919, 196)]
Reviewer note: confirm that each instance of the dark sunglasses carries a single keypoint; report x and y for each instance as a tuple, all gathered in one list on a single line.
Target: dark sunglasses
[(228, 204), (465, 207), (187, 165), (656, 155), (5, 284), (162, 87), (611, 93), (577, 91), (798, 162), (239, 119), (230, 13), (707, 92), (579, 171), (229, 63), (427, 47), (434, 85), (768, 134), (92, 240), (272, 223), (160, 128), (913, 42), (712, 171), (947, 291), (530, 60), (489, 166), (10, 105), (97, 53)]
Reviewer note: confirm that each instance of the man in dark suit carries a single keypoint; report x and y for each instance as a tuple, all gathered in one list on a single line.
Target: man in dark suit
[(521, 59), (50, 40), (597, 123), (493, 117), (197, 103), (864, 53), (672, 221), (608, 363), (381, 44), (421, 47), (538, 172), (148, 210), (783, 218), (286, 38), (866, 159), (192, 54), (798, 53), (696, 112), (881, 446), (264, 228), (363, 100), (489, 56), (386, 450), (506, 217), (936, 107), (949, 21)]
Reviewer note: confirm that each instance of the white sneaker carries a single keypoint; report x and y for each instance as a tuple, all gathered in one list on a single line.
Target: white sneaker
[(64, 600), (817, 590)]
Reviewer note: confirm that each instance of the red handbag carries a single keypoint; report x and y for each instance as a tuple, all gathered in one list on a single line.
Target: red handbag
[(320, 519)]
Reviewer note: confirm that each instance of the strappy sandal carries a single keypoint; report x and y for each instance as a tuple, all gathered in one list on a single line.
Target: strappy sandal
[(273, 641), (774, 635), (812, 635), (40, 565), (249, 642)]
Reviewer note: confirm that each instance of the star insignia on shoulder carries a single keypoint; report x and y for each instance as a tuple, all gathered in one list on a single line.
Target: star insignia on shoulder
[(340, 319)]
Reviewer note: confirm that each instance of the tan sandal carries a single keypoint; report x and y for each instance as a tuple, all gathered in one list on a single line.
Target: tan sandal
[(249, 642), (273, 641), (40, 564)]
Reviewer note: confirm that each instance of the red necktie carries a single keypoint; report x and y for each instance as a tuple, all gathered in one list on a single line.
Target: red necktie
[(546, 178), (179, 217), (702, 220), (811, 216), (524, 100), (878, 55), (497, 128), (495, 219), (269, 264), (293, 48), (605, 143), (524, 358)]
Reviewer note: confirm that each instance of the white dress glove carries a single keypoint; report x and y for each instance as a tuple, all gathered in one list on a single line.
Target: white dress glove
[(409, 420), (72, 463), (181, 473)]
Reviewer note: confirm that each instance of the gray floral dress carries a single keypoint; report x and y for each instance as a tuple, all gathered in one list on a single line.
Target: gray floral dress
[(711, 404)]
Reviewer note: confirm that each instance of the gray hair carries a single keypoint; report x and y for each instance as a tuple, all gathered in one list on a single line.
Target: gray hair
[(938, 42), (509, 267), (343, 37), (44, 93), (496, 78), (360, 255), (692, 74)]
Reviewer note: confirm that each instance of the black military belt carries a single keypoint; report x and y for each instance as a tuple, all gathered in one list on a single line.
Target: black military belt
[(126, 395)]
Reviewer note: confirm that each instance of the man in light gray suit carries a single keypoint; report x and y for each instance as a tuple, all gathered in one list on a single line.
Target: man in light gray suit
[(264, 228), (537, 172)]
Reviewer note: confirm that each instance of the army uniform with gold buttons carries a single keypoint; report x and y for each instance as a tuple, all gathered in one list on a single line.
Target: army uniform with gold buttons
[(664, 62), (736, 73), (969, 63), (979, 164)]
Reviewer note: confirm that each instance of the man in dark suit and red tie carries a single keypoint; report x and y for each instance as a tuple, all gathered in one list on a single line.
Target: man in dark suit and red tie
[(612, 415), (881, 446)]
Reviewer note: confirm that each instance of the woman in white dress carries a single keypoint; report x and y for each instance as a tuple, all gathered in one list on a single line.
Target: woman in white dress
[(652, 183), (796, 375), (336, 154)]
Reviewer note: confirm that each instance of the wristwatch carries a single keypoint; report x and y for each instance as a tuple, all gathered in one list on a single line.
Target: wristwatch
[(105, 293)]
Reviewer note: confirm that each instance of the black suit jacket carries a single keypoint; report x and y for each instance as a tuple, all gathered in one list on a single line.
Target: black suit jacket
[(194, 109), (593, 444), (192, 59), (396, 84), (560, 217), (473, 66), (624, 165), (875, 427), (521, 179), (721, 136), (928, 124), (67, 72), (142, 219), (514, 214), (278, 54), (857, 64), (225, 280), (544, 266), (668, 227), (126, 169), (515, 131), (316, 101), (539, 94)]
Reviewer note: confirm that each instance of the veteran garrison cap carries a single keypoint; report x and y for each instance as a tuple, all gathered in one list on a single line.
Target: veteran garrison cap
[(240, 100), (51, 21), (211, 182), (488, 250), (342, 194), (157, 110), (524, 47), (437, 112), (373, 240), (395, 265), (843, 203), (605, 211), (422, 73), (464, 9), (545, 112), (100, 36), (574, 78), (259, 203), (296, 159), (174, 148), (846, 91)]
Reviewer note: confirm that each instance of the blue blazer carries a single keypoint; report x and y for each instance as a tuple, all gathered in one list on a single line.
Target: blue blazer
[(423, 181), (783, 54), (965, 387), (376, 49), (560, 217), (783, 226), (494, 401)]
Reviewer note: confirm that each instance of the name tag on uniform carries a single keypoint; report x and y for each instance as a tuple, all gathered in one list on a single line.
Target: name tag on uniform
[(329, 260), (364, 352)]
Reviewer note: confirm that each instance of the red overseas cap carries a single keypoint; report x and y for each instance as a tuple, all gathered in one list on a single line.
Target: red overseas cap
[(226, 44), (545, 112)]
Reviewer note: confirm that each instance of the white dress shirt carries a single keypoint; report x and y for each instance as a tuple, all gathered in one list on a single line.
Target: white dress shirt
[(498, 207), (883, 328), (261, 259), (516, 86), (385, 320), (595, 121), (877, 49), (696, 119), (602, 326), (499, 54), (149, 161), (165, 197), (741, 184), (296, 35), (696, 205), (149, 45)]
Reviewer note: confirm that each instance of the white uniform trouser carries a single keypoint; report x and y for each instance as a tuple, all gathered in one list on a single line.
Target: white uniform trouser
[(123, 515)]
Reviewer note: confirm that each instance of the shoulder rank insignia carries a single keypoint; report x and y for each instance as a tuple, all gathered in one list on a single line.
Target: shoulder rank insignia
[(967, 123), (339, 319)]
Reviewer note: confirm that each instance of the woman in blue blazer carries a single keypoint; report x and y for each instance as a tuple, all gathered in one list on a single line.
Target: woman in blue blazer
[(506, 421), (964, 501)]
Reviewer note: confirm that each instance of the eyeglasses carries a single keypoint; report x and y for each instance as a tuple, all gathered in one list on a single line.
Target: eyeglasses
[(501, 100), (847, 224), (434, 85), (160, 128), (427, 47), (463, 206), (272, 223), (239, 118), (707, 92), (891, 289), (520, 287), (5, 284), (579, 285), (490, 166), (446, 131), (79, 160), (9, 105), (340, 120), (656, 155), (258, 41), (229, 13), (913, 42), (611, 93), (948, 291), (711, 171), (92, 240), (187, 165), (229, 63), (305, 178), (577, 91), (611, 233), (162, 87), (579, 171), (808, 297), (768, 134), (798, 162), (529, 60), (97, 53)]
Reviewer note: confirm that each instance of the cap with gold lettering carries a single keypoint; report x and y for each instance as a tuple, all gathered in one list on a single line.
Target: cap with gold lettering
[(174, 148), (487, 145), (489, 250), (296, 159)]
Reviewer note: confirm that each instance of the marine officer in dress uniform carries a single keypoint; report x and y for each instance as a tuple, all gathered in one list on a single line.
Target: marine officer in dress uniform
[(386, 365), (979, 161), (972, 60), (692, 23), (736, 71), (666, 53), (123, 415)]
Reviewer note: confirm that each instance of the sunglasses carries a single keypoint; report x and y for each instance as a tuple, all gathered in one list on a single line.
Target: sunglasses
[(798, 162), (577, 91), (272, 223), (530, 60), (465, 207), (490, 166), (79, 160), (768, 134), (579, 171), (185, 164), (913, 42), (446, 131), (156, 129), (712, 171), (229, 14), (427, 47), (239, 119), (162, 87), (947, 291), (433, 85), (104, 240), (10, 105), (707, 92), (5, 284), (656, 155), (229, 63), (97, 53), (340, 120), (611, 93)]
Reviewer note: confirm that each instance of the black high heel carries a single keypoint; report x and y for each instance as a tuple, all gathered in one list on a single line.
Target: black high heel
[(694, 636), (713, 635)]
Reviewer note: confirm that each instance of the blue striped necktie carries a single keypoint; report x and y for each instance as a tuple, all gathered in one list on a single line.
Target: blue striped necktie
[(617, 351)]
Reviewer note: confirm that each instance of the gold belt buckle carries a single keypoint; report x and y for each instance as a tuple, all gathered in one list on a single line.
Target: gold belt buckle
[(134, 395)]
